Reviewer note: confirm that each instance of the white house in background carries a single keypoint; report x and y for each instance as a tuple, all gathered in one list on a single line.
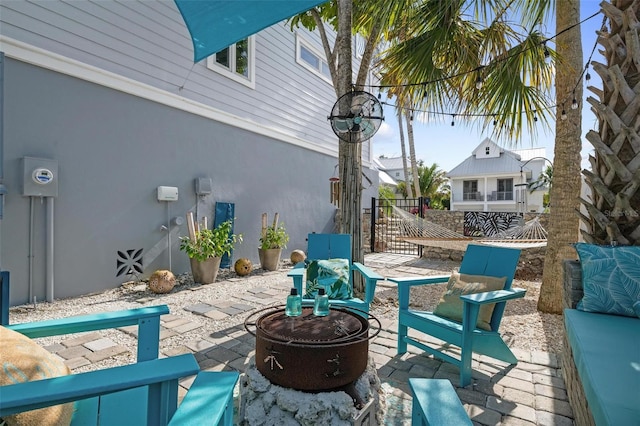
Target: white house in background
[(393, 167), (495, 179), (383, 176)]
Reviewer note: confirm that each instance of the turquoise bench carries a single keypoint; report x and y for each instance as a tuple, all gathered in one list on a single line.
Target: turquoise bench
[(435, 402), (600, 360)]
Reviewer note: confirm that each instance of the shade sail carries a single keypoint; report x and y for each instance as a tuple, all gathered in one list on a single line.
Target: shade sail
[(214, 25)]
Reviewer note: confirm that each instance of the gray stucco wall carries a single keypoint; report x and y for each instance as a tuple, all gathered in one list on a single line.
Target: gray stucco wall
[(114, 150)]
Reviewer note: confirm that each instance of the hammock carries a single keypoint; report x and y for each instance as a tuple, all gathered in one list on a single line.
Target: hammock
[(529, 235), (417, 230)]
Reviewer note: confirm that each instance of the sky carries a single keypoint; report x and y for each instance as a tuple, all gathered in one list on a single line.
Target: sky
[(447, 146)]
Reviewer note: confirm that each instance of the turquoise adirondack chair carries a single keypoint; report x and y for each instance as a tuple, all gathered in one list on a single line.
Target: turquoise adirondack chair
[(143, 393), (478, 260), (336, 246)]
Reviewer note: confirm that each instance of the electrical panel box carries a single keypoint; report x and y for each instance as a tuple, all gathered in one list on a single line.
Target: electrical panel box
[(39, 177), (203, 186), (167, 193)]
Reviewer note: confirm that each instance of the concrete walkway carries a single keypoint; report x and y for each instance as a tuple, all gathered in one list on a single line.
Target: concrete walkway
[(530, 393)]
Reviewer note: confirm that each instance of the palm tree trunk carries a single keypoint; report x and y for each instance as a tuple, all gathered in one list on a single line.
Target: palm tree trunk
[(565, 191), (404, 155), (412, 154), (613, 213)]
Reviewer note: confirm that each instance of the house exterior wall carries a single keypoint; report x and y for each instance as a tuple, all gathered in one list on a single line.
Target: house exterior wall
[(96, 87)]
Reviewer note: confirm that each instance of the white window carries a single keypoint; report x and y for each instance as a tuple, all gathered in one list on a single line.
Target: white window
[(236, 62), (312, 59)]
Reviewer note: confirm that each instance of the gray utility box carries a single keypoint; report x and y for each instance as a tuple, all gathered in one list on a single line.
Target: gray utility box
[(39, 177)]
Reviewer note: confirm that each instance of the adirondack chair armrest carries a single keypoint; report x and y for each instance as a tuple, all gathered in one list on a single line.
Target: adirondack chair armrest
[(493, 296), (147, 319), (405, 284), (209, 398), (413, 281), (370, 280), (59, 390), (297, 273)]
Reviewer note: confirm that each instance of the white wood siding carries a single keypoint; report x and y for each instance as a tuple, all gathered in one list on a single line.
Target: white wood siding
[(148, 42)]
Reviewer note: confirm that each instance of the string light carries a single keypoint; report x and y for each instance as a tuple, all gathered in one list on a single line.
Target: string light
[(480, 81), (453, 120), (547, 55), (379, 94), (495, 120)]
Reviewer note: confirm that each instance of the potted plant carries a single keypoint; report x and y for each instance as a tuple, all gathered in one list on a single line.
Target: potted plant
[(206, 248), (272, 240)]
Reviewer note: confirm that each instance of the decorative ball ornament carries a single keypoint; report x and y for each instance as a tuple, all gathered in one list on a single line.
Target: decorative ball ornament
[(297, 256), (162, 281), (243, 267)]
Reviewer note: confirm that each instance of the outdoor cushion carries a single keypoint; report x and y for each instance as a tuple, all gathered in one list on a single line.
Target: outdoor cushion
[(333, 275), (610, 277), (24, 360), (606, 352), (450, 305)]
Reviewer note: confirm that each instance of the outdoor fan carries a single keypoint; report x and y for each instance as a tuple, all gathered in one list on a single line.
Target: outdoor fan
[(356, 116)]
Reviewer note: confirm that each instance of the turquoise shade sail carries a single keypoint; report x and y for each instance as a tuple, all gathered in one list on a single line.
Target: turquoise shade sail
[(214, 25)]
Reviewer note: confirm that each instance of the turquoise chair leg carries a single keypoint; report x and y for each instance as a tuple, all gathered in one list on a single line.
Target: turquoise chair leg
[(469, 319), (402, 343)]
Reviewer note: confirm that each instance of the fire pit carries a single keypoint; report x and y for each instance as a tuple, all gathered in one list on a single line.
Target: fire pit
[(311, 353)]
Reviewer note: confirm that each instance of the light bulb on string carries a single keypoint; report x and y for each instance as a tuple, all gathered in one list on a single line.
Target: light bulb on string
[(535, 115), (547, 55), (453, 120), (563, 114), (411, 118), (495, 120), (574, 102), (479, 81), (379, 94)]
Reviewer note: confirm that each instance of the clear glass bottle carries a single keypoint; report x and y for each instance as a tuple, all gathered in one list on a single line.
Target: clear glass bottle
[(321, 305), (294, 304)]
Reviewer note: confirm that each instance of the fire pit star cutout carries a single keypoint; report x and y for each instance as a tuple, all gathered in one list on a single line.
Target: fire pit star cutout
[(340, 327), (272, 359)]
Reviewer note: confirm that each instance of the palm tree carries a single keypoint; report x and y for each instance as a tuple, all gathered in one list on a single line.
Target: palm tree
[(466, 57), (563, 195), (613, 209), (545, 180), (430, 179)]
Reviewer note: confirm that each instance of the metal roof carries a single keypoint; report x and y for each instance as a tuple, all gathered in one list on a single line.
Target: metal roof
[(506, 163), (394, 163)]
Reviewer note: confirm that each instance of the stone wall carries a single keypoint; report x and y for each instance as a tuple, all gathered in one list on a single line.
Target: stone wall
[(529, 267)]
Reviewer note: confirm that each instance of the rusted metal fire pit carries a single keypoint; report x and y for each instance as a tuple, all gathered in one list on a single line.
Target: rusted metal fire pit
[(312, 353)]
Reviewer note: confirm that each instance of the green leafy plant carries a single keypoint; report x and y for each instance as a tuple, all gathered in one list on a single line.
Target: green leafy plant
[(210, 242), (274, 238)]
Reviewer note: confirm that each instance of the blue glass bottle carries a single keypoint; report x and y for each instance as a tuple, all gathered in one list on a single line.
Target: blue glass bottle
[(321, 305), (294, 304)]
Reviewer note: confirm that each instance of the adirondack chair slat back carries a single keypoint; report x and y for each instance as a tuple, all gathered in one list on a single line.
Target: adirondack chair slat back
[(495, 262), (329, 246)]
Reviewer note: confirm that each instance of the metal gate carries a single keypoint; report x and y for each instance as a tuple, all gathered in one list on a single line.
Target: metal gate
[(386, 229)]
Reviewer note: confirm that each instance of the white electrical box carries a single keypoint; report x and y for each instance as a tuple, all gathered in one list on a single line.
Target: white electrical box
[(167, 193)]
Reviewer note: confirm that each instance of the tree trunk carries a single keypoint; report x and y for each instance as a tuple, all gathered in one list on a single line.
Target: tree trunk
[(565, 191), (412, 154), (613, 212), (407, 187), (350, 154)]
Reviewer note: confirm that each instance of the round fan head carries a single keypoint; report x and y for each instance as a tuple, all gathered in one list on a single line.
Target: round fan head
[(356, 116)]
